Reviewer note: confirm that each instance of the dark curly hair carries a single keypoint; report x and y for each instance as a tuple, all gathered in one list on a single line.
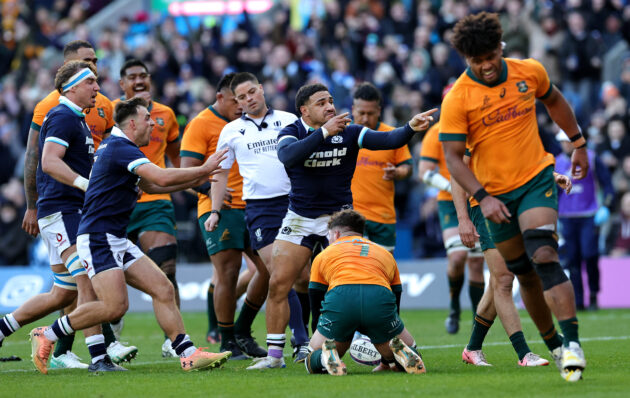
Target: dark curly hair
[(477, 34), (347, 220)]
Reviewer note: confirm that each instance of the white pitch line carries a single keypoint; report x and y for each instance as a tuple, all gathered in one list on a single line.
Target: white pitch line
[(427, 347)]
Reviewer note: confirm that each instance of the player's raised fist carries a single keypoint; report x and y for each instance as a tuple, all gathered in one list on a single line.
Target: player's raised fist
[(422, 121), (337, 123)]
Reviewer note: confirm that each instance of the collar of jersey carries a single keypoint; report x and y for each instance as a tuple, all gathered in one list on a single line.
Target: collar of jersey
[(244, 116), (73, 107), (217, 114), (501, 80), (306, 126), (117, 132)]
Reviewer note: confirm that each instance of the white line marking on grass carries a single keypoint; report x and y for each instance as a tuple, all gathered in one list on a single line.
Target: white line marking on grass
[(602, 338)]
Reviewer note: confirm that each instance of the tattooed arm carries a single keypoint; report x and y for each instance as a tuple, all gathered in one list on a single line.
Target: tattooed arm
[(29, 223)]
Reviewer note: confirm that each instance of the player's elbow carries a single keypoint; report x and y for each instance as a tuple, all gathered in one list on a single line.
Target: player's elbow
[(48, 164)]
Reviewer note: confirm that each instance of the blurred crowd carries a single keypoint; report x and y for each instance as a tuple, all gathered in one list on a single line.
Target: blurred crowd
[(403, 47)]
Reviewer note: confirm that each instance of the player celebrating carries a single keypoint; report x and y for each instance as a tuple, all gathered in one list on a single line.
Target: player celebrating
[(319, 153), (373, 181), (359, 278), (99, 119), (434, 172), (491, 110), (108, 256), (152, 222), (226, 244), (251, 141)]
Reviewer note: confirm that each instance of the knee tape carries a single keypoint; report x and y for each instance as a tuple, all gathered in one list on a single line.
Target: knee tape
[(64, 280), (162, 254), (454, 244), (520, 265), (534, 239), (551, 274), (74, 266)]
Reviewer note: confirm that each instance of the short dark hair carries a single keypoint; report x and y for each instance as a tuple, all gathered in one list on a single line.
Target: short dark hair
[(305, 93), (242, 77), (350, 220), (74, 46), (477, 34), (127, 108), (68, 70), (131, 63), (225, 81), (367, 92)]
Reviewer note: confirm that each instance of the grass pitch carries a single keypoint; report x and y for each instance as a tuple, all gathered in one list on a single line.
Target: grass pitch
[(605, 338)]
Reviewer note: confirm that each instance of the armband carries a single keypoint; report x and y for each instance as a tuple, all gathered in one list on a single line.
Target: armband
[(480, 195), (81, 183)]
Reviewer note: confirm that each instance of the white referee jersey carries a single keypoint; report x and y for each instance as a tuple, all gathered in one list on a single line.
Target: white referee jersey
[(253, 146)]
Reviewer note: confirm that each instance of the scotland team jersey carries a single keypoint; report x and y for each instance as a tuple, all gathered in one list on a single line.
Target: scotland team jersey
[(321, 183), (64, 125), (113, 191), (253, 146)]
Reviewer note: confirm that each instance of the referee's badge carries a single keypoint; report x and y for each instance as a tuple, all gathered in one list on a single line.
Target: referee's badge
[(159, 121), (336, 139)]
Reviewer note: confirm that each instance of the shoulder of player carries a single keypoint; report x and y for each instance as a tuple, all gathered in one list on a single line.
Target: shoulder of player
[(48, 102), (161, 108), (101, 99), (205, 123), (288, 117)]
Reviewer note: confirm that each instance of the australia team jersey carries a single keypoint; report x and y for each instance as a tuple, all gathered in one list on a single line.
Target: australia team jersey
[(64, 125), (354, 260), (373, 196), (113, 191), (253, 145), (499, 124), (432, 151), (165, 131), (99, 119), (199, 142)]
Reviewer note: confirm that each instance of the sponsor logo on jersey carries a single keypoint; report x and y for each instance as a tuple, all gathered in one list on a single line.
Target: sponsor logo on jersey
[(502, 94), (500, 116), (261, 146), (326, 158)]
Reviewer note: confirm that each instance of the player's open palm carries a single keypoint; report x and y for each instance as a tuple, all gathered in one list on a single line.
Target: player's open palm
[(422, 121), (212, 163), (337, 123), (495, 210)]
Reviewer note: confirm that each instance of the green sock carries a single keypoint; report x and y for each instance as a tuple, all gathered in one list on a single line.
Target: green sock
[(480, 329), (64, 344), (212, 316), (314, 363), (551, 338), (246, 318), (108, 333), (570, 330), (519, 344), (475, 290), (455, 287), (226, 330)]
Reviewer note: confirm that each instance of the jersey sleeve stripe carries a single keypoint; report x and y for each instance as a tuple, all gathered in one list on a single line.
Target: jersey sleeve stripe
[(408, 161), (452, 137), (428, 159), (287, 136), (57, 141), (548, 93), (138, 162), (317, 286), (361, 135), (191, 154), (35, 126)]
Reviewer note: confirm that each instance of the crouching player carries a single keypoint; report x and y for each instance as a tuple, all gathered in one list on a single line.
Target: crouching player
[(109, 257), (358, 278)]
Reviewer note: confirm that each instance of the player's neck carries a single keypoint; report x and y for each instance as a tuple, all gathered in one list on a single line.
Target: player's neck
[(263, 111), (311, 123)]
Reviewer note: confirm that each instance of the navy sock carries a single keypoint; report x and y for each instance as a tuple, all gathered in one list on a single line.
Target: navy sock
[(295, 320)]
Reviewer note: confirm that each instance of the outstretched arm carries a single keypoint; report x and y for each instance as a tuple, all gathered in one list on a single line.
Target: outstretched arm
[(396, 138)]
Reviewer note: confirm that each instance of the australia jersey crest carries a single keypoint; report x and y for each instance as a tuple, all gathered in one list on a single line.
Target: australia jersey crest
[(101, 112), (522, 86), (159, 121)]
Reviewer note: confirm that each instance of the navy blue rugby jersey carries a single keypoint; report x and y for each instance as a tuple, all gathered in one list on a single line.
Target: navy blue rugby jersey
[(321, 183), (64, 125), (113, 190)]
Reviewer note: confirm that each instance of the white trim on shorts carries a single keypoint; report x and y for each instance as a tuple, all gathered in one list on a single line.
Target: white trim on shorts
[(118, 248)]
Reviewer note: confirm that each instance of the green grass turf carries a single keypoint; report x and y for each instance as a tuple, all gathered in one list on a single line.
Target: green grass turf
[(605, 337)]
